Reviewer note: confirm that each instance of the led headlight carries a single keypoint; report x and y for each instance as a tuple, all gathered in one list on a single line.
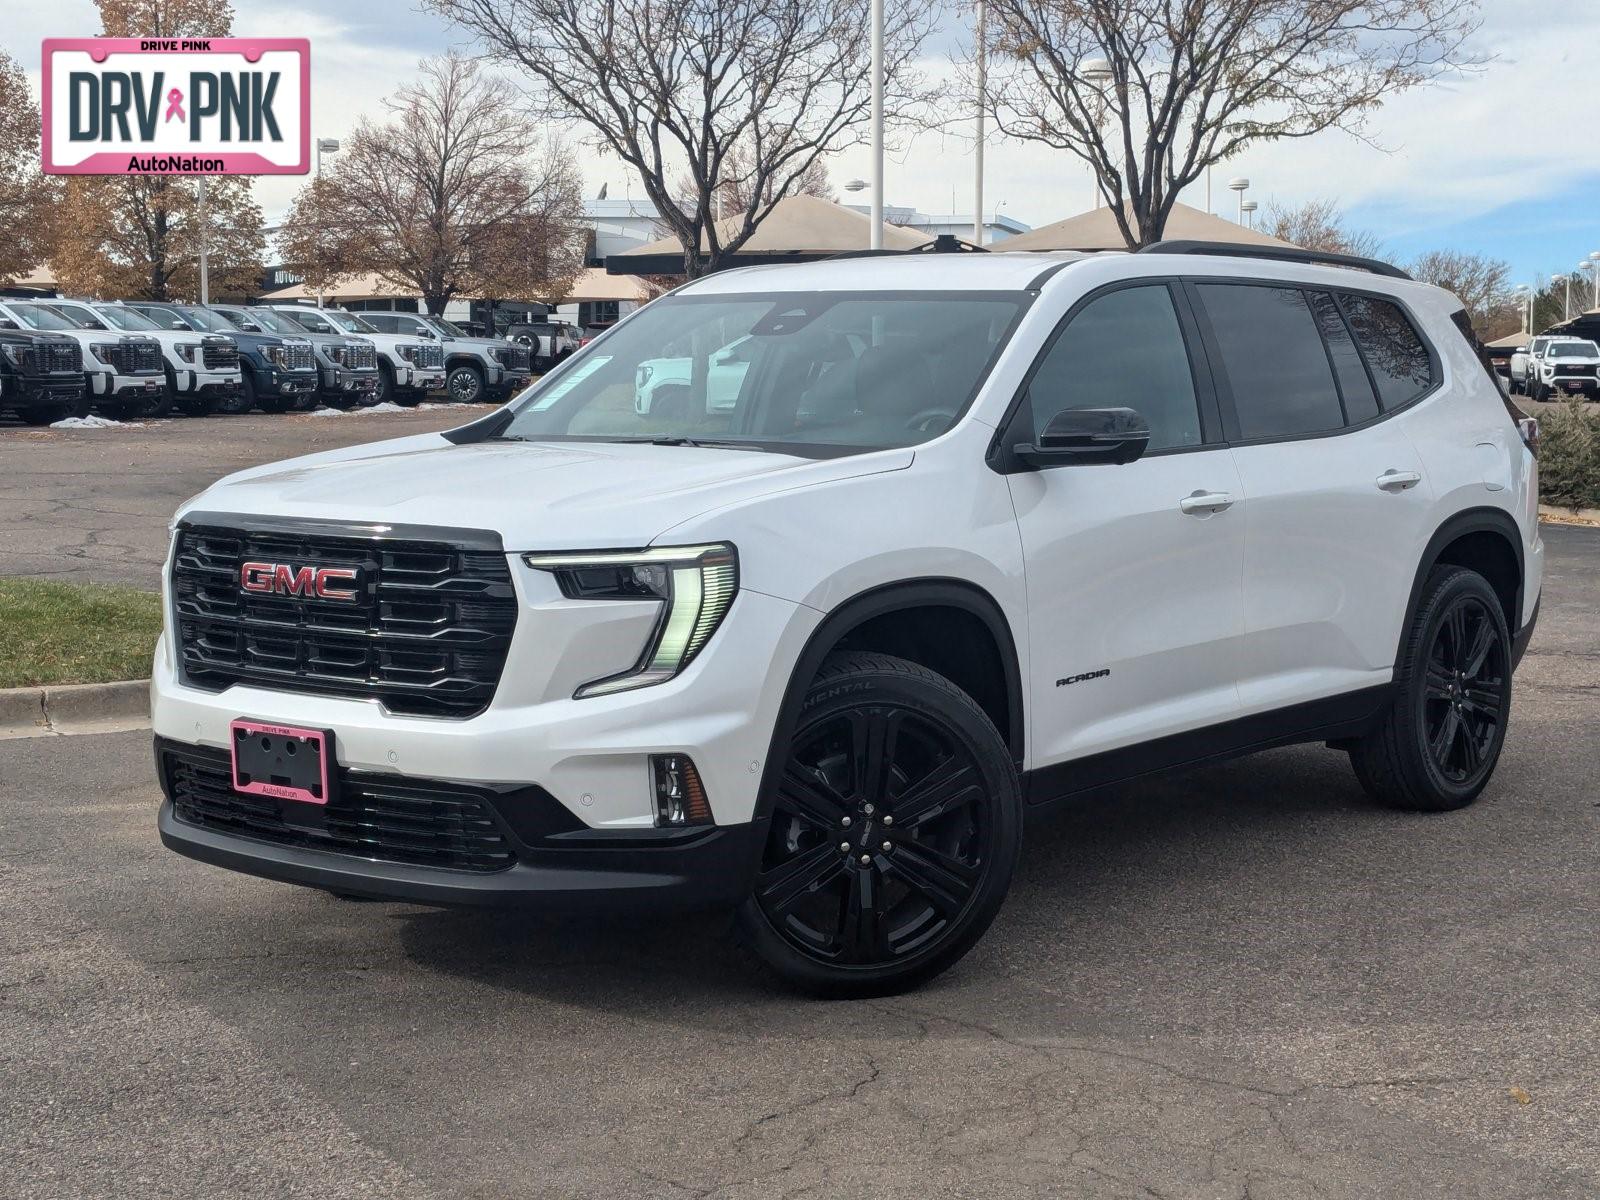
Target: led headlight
[(695, 586), (408, 351), (335, 353), (187, 350)]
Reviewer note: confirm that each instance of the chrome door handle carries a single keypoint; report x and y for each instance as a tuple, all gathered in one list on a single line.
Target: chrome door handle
[(1206, 503), (1398, 481)]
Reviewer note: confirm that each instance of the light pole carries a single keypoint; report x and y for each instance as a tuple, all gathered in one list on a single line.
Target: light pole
[(1239, 185), (1248, 207), (331, 145), (1557, 280), (1096, 72), (205, 272), (876, 242), (1594, 259), (1524, 296), (978, 144)]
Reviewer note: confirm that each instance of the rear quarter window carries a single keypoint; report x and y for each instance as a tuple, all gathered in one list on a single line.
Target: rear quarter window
[(1398, 358)]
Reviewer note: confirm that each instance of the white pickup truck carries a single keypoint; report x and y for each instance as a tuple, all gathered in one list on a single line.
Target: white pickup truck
[(1556, 365)]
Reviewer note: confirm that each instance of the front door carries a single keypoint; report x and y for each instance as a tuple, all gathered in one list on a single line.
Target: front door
[(1133, 571)]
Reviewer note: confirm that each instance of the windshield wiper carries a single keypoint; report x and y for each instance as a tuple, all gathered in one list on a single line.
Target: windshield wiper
[(669, 440), (507, 437)]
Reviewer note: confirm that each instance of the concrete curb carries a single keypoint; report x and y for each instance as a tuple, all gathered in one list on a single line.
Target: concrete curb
[(74, 708), (1569, 516)]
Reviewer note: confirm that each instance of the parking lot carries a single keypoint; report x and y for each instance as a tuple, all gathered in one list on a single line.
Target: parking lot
[(1246, 981)]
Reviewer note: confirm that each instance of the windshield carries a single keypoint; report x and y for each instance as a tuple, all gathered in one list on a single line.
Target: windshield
[(444, 327), (349, 322), (80, 317), (126, 318), (39, 317), (1573, 350), (207, 321), (833, 372), (273, 321), (308, 320)]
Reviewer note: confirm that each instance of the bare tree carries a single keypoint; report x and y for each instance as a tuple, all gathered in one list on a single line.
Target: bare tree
[(761, 88), (1318, 225), (458, 194), (1481, 283), (1191, 83)]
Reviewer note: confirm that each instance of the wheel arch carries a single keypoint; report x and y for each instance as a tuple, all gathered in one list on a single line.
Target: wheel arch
[(1486, 540), (864, 616)]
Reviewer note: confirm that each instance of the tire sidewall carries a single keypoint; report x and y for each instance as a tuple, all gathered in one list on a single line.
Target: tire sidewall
[(1447, 589), (476, 377), (953, 710)]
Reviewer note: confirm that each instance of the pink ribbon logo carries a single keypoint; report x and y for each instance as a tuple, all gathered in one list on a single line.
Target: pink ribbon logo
[(175, 105)]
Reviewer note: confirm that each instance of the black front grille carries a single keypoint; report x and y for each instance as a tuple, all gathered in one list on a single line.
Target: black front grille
[(1569, 370), (426, 634), (513, 358), (422, 821), (62, 357), (220, 355), (133, 357)]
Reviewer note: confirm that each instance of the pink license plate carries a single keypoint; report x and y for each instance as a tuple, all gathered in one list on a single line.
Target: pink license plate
[(282, 761)]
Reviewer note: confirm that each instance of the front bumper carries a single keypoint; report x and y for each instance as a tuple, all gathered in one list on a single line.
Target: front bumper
[(26, 391), (200, 382), (420, 379), (558, 868), (349, 383), (1586, 385), (110, 385)]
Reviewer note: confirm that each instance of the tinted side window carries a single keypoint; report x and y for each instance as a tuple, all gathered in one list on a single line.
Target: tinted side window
[(1123, 350), (382, 323), (1273, 355), (1399, 361), (1354, 385)]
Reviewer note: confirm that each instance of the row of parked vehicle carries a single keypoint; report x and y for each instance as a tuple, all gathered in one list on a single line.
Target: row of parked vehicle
[(1552, 364), (139, 359)]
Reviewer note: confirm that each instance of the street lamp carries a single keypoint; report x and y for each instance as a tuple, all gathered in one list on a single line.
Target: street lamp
[(1239, 185), (981, 37), (1096, 72), (1524, 295), (856, 185), (876, 241), (1556, 281), (328, 146), (1595, 259), (1249, 207)]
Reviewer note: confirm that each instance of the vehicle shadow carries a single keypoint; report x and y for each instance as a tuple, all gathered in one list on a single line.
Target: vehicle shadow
[(1121, 861)]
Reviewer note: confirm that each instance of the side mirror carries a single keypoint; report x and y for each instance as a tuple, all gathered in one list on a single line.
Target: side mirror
[(7, 323), (250, 327), (1088, 435)]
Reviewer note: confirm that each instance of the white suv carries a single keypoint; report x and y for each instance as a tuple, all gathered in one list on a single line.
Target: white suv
[(979, 534)]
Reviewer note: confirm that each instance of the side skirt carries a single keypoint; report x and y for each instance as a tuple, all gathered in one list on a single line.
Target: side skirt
[(1330, 719)]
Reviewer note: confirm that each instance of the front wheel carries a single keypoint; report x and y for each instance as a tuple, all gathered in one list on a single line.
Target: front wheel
[(895, 830), (1441, 738), (464, 384)]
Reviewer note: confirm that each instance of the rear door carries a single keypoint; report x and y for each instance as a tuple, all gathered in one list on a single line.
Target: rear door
[(1133, 571), (1312, 385)]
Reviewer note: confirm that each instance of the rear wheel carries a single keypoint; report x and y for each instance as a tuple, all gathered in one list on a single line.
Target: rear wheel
[(895, 832), (1438, 744)]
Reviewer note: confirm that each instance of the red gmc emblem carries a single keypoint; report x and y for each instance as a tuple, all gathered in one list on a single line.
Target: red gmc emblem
[(284, 580)]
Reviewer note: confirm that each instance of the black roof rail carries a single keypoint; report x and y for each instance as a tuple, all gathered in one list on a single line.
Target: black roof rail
[(1277, 254), (943, 243)]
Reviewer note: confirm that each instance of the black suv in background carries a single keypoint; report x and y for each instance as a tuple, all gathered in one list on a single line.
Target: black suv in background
[(41, 376), (279, 373)]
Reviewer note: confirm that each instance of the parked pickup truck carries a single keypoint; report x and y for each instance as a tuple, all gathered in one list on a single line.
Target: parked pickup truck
[(348, 366), (1565, 366), (202, 368), (408, 368), (41, 375), (279, 374), (124, 374), (476, 368)]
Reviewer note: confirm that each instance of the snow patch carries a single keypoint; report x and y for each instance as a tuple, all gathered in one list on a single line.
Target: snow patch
[(93, 422)]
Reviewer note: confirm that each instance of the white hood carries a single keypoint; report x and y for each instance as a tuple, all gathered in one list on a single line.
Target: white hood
[(536, 495)]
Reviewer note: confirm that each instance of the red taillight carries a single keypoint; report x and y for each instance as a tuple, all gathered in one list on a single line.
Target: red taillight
[(1528, 427)]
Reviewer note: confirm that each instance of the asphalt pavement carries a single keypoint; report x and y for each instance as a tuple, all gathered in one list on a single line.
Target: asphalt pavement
[(92, 505), (1241, 982)]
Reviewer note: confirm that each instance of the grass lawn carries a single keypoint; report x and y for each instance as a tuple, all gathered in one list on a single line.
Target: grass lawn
[(74, 633)]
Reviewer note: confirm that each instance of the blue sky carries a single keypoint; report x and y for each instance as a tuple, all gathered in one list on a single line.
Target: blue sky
[(1502, 162)]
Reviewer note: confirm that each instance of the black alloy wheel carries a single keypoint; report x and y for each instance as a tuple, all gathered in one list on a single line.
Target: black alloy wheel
[(464, 384), (1438, 744), (894, 832)]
